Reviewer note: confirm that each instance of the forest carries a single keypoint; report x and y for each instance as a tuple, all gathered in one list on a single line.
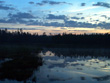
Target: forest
[(64, 39)]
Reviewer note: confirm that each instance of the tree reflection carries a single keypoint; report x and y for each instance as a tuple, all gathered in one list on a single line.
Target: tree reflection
[(21, 66), (80, 52), (103, 78)]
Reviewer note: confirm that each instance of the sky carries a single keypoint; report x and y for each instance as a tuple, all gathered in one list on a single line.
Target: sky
[(56, 16)]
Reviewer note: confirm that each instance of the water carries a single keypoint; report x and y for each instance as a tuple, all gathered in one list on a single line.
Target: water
[(73, 69), (58, 68)]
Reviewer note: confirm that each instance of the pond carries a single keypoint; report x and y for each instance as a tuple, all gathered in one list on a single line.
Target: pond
[(58, 68)]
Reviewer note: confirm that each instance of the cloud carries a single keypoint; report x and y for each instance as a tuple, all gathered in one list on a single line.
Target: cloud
[(83, 9), (13, 20), (2, 7), (82, 17), (104, 16), (103, 4), (79, 24), (5, 6), (66, 23), (52, 3), (75, 18), (55, 3), (21, 18), (104, 25), (55, 24), (62, 17), (83, 4), (21, 15), (29, 19), (40, 4), (18, 28), (79, 13), (31, 2), (3, 21), (2, 1)]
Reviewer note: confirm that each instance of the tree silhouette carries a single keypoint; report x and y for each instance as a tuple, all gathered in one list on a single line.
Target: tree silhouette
[(83, 40)]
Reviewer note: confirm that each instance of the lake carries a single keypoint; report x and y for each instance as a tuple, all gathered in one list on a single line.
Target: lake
[(66, 66)]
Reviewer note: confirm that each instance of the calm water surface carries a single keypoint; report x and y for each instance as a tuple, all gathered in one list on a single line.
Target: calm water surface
[(64, 69)]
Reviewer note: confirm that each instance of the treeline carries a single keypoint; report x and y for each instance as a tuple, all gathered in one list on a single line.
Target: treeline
[(84, 40)]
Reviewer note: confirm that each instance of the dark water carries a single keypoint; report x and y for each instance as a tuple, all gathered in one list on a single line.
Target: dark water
[(59, 68)]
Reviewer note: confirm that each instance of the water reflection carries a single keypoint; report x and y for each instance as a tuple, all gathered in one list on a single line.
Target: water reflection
[(68, 66), (79, 52), (103, 78), (19, 69), (59, 68)]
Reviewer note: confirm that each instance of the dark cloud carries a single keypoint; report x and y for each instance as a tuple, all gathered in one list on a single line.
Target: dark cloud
[(13, 20), (55, 3), (52, 3), (62, 17), (68, 23), (55, 24), (19, 28), (79, 13), (108, 18), (17, 20), (45, 1), (2, 7), (95, 14), (104, 4), (65, 24), (21, 15), (28, 19), (22, 18), (40, 4), (79, 24), (104, 25), (31, 2), (82, 17), (5, 6), (2, 1), (104, 16), (77, 18), (97, 20), (35, 22), (83, 4), (3, 21)]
